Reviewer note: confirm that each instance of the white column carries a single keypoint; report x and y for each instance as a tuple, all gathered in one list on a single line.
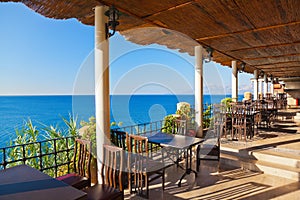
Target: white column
[(101, 85), (255, 84), (234, 81), (260, 86), (265, 85), (199, 90), (272, 86)]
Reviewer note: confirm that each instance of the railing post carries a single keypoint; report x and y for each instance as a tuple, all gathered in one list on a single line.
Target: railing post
[(4, 159), (55, 158), (41, 156), (24, 156), (68, 154)]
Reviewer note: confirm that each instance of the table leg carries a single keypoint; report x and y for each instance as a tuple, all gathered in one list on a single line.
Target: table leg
[(188, 164)]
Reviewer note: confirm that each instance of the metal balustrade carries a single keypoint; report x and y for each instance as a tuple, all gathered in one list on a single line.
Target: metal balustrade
[(158, 125), (53, 157)]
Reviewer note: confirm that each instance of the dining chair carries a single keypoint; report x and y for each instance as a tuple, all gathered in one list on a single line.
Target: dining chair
[(119, 138), (180, 127), (228, 121), (142, 169), (112, 174), (239, 122), (210, 148), (81, 177)]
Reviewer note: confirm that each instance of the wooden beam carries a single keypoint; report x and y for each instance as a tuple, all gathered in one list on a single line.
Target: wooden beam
[(277, 56), (279, 63), (266, 46), (249, 31)]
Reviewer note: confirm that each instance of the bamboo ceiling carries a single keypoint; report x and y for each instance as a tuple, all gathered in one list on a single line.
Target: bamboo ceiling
[(265, 34)]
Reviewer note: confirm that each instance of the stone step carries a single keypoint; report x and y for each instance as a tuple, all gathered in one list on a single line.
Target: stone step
[(262, 166), (278, 156), (283, 171), (297, 118)]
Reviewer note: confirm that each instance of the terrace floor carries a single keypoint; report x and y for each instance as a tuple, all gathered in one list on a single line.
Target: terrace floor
[(237, 182)]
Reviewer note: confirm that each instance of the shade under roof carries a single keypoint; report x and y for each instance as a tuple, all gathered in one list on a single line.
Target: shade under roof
[(264, 34)]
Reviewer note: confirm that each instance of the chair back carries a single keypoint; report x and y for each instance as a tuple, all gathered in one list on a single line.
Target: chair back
[(82, 158), (210, 148), (219, 119), (138, 144), (112, 167), (180, 127), (238, 114), (118, 138)]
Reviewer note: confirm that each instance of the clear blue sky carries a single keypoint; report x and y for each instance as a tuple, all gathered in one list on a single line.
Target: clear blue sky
[(39, 55)]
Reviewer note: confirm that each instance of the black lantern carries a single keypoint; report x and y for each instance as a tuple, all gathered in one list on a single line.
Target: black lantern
[(113, 15), (261, 73), (209, 54), (243, 65)]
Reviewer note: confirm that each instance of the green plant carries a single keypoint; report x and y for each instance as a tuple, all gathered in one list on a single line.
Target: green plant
[(168, 124), (187, 113), (207, 117), (31, 134), (89, 131), (27, 134), (72, 128), (184, 111), (226, 101)]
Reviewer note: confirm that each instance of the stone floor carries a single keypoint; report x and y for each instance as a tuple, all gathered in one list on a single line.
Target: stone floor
[(231, 182)]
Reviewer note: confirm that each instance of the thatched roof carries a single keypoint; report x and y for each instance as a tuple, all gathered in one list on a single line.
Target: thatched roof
[(265, 34)]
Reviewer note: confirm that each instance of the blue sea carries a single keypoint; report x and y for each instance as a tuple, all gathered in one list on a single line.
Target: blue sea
[(49, 110)]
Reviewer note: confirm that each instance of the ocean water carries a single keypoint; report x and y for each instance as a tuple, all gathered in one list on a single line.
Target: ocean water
[(49, 110)]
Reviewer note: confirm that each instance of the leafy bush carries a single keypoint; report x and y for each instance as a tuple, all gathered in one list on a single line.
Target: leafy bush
[(169, 121), (226, 101), (31, 134), (207, 117), (89, 131), (184, 111)]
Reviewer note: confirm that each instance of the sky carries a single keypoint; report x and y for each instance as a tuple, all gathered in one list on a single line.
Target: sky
[(42, 56)]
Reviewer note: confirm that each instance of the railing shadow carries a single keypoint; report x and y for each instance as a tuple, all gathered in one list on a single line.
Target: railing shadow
[(234, 192), (276, 192)]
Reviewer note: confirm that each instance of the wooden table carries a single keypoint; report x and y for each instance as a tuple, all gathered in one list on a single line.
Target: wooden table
[(177, 142), (24, 182)]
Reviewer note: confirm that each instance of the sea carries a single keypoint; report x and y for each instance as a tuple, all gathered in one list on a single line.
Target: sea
[(50, 110)]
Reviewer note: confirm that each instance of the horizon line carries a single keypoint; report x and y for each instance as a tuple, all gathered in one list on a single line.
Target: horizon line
[(11, 95)]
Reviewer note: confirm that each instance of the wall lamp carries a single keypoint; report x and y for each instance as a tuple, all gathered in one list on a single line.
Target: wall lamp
[(209, 54), (262, 73), (113, 15), (243, 66)]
